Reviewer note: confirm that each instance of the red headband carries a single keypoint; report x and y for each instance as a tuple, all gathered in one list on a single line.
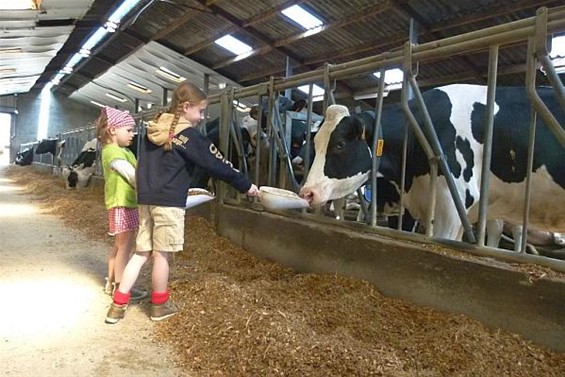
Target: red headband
[(117, 118)]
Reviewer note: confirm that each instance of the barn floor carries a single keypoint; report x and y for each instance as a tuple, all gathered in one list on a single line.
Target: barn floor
[(242, 316)]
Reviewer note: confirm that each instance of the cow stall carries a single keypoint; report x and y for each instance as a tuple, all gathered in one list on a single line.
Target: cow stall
[(489, 284), (483, 282)]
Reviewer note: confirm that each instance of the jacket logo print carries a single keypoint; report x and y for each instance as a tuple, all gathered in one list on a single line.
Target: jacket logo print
[(216, 152), (180, 140)]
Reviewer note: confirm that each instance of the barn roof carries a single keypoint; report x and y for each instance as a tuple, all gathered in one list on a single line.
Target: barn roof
[(180, 34)]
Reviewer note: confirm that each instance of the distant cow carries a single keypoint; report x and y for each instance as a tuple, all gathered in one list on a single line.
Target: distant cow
[(24, 157), (343, 158), (53, 146), (79, 173)]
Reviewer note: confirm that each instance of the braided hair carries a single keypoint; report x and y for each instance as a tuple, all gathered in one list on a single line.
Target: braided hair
[(102, 129), (185, 92)]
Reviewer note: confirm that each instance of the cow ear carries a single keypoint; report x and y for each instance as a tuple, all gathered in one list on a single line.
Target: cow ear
[(359, 127)]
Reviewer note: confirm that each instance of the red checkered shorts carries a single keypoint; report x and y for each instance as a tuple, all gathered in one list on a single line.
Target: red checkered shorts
[(122, 219)]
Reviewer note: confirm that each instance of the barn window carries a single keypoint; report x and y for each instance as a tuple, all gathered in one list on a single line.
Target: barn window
[(558, 53), (393, 78), (317, 91), (233, 44), (302, 17)]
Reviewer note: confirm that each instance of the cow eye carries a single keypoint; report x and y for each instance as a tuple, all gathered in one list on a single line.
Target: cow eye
[(341, 144)]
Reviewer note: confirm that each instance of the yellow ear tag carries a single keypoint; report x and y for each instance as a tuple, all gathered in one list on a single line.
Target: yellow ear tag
[(380, 145)]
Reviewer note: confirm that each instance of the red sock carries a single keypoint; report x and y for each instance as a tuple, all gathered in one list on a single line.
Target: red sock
[(159, 298), (121, 298)]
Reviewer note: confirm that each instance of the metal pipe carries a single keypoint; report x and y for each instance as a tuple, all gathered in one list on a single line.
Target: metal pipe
[(487, 149), (530, 82), (501, 34), (376, 148), (543, 54)]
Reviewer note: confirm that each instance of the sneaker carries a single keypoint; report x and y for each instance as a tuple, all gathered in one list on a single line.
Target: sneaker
[(109, 287), (137, 294), (115, 313), (163, 311)]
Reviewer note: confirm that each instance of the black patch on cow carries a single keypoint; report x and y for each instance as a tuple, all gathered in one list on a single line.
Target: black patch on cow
[(347, 152), (85, 159), (47, 146), (24, 157), (469, 199), (510, 135), (393, 119), (464, 147), (72, 179)]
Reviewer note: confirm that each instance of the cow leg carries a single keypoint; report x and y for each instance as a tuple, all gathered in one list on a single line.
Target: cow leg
[(494, 230), (339, 208)]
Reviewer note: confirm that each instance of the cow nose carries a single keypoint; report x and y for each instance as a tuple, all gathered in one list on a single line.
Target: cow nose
[(306, 194)]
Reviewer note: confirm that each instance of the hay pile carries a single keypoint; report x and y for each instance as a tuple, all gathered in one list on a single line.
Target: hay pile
[(242, 316)]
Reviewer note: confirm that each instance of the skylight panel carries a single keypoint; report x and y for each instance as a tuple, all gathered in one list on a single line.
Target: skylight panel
[(558, 47), (392, 76), (302, 17), (317, 91), (233, 45)]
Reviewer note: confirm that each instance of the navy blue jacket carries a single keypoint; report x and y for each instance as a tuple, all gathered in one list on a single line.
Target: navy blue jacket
[(164, 177)]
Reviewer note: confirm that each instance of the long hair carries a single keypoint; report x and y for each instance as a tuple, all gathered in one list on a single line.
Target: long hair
[(102, 129), (185, 92)]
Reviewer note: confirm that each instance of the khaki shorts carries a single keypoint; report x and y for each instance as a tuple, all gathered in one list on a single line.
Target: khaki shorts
[(160, 228)]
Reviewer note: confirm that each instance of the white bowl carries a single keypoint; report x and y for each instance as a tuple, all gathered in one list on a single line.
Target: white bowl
[(198, 196), (276, 198)]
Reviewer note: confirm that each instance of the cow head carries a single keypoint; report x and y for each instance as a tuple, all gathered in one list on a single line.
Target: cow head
[(343, 160)]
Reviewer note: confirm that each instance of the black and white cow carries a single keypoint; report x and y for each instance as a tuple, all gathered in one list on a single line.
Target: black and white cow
[(24, 157), (53, 146), (343, 159), (79, 173)]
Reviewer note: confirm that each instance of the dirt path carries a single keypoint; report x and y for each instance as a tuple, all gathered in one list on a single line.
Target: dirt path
[(53, 307)]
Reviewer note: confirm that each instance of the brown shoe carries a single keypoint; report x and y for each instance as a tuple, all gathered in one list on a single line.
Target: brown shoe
[(115, 313), (163, 311)]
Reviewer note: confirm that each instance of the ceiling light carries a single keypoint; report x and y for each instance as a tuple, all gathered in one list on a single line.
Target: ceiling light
[(11, 50), (363, 96), (20, 5), (139, 87), (84, 52), (67, 70), (98, 35), (170, 74), (57, 79), (97, 104), (7, 70), (117, 98), (233, 45), (74, 60), (111, 26), (302, 17), (122, 10)]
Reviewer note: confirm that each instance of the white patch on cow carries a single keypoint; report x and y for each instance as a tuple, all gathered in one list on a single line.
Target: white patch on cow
[(90, 145), (322, 187), (462, 98), (506, 201)]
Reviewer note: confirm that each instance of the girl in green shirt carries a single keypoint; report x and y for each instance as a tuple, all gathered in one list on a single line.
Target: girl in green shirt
[(115, 132)]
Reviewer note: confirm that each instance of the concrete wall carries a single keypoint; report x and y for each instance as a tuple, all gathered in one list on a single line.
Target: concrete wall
[(64, 114), (497, 293)]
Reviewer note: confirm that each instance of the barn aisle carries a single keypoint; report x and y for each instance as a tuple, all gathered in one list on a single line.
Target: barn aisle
[(53, 307)]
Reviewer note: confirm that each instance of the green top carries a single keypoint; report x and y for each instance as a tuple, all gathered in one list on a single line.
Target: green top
[(117, 191)]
